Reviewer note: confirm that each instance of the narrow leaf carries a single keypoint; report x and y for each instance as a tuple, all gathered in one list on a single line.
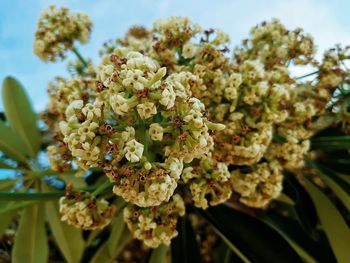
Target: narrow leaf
[(333, 223), (331, 143), (184, 248), (116, 234), (6, 219), (30, 244), (109, 250), (4, 165), (7, 184), (20, 114), (304, 208), (249, 236), (11, 145), (102, 254), (340, 188), (14, 206), (159, 254)]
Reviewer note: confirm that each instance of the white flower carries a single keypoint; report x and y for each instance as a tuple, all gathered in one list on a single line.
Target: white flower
[(168, 97), (88, 129), (196, 117), (230, 93), (91, 110), (156, 132), (146, 110), (235, 80), (128, 134), (175, 166), (135, 79), (196, 104), (138, 61), (133, 151), (88, 153), (105, 73), (74, 105), (65, 129), (119, 104), (221, 38), (189, 50), (201, 136)]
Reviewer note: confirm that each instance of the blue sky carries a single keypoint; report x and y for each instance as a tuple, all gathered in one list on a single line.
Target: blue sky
[(327, 21)]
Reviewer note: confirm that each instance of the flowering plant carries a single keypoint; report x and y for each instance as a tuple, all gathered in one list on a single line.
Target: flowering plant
[(172, 140)]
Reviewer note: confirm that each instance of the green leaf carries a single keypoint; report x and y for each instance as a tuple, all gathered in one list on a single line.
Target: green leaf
[(344, 177), (11, 145), (14, 206), (304, 208), (4, 165), (69, 178), (224, 254), (340, 188), (159, 254), (116, 234), (6, 219), (333, 223), (118, 238), (30, 244), (249, 236), (184, 248), (69, 239), (331, 143), (292, 234), (20, 114), (7, 184)]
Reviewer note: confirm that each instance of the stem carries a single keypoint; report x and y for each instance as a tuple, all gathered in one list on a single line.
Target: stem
[(101, 188), (307, 75), (80, 57), (6, 196)]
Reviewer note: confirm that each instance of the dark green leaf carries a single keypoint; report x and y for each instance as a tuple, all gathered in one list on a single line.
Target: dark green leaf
[(258, 242), (20, 114), (331, 143), (31, 241), (184, 248), (339, 187), (309, 249), (14, 196), (159, 254), (304, 208), (224, 254), (11, 145), (333, 223)]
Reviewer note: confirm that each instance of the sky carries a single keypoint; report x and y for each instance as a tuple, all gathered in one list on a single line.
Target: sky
[(327, 21)]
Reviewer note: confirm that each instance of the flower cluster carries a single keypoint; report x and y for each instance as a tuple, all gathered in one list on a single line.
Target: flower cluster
[(85, 211), (259, 186), (58, 28), (155, 225), (168, 114), (209, 182)]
